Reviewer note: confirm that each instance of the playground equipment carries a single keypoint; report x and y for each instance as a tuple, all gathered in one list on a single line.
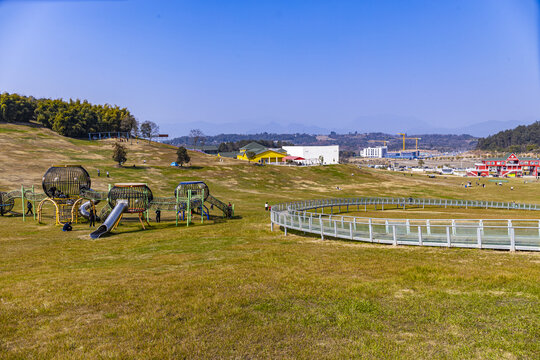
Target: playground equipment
[(199, 188), (63, 185), (125, 198), (68, 188), (6, 203)]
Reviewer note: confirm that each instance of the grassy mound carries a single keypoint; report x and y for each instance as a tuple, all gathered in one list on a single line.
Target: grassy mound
[(233, 288)]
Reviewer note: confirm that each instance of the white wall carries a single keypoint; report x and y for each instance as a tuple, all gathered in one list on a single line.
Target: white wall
[(329, 153)]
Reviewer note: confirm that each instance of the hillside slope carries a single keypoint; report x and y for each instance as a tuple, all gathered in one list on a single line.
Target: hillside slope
[(234, 289), (520, 139)]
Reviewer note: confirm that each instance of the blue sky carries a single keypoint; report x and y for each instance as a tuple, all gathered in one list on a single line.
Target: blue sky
[(246, 64)]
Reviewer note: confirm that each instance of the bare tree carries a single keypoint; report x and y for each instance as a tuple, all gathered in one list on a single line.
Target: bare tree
[(196, 135), (149, 130)]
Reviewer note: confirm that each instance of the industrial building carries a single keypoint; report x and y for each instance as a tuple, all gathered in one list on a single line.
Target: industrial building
[(315, 154), (374, 152)]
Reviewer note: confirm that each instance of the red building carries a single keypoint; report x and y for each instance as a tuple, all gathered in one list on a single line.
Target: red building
[(510, 165)]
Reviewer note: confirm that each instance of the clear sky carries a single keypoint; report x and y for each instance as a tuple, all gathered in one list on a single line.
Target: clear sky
[(333, 64)]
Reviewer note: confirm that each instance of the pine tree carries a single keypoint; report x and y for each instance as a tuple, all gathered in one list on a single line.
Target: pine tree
[(182, 156), (119, 153)]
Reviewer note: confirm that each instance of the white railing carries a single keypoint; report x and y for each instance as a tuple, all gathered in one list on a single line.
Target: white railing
[(504, 234)]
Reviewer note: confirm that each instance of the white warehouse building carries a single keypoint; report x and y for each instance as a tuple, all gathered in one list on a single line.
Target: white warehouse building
[(312, 154), (374, 152)]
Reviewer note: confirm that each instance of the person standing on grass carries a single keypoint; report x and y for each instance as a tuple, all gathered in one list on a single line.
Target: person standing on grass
[(29, 208), (92, 217), (158, 215), (107, 174), (266, 206), (98, 172)]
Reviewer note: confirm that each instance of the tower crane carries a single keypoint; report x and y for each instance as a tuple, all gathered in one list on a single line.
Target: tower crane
[(402, 134), (415, 138), (383, 141), (411, 138)]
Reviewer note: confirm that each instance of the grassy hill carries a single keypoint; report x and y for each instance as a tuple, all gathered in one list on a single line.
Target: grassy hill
[(233, 288)]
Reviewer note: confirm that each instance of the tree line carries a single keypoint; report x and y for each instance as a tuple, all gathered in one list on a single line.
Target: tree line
[(524, 138), (73, 118)]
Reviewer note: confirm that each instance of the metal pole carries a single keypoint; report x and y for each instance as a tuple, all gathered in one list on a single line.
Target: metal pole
[(22, 203), (34, 202)]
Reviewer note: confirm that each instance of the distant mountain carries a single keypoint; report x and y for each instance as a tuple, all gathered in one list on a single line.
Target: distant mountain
[(389, 124), (521, 139), (348, 141)]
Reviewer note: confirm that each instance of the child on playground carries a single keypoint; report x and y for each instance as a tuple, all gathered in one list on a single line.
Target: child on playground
[(67, 226)]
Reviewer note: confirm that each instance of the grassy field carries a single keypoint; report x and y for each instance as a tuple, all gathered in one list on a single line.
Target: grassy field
[(233, 289)]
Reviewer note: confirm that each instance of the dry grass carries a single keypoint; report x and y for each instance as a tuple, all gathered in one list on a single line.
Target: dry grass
[(234, 289)]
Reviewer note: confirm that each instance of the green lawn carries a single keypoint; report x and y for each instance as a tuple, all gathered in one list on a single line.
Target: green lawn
[(233, 289)]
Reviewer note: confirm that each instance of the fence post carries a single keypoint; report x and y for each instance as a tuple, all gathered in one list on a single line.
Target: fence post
[(354, 222), (335, 228), (453, 227), (387, 228), (481, 224), (509, 226), (310, 222), (370, 231), (408, 223), (351, 231), (420, 242), (512, 240), (428, 227), (479, 237), (322, 228), (448, 241), (394, 237)]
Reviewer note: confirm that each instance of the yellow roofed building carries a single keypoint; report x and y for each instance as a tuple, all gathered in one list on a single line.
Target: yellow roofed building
[(261, 153)]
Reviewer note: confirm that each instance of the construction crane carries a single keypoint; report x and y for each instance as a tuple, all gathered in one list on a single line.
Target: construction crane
[(402, 134), (411, 138), (416, 141), (383, 141)]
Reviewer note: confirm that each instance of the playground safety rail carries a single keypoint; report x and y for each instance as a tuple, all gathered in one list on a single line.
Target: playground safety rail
[(502, 234)]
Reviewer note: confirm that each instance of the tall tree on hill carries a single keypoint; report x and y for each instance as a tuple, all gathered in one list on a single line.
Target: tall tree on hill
[(196, 135), (15, 108), (129, 124), (250, 155), (149, 130), (182, 156), (119, 153)]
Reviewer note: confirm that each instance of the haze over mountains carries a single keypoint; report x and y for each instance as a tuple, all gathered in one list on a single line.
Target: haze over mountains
[(382, 123)]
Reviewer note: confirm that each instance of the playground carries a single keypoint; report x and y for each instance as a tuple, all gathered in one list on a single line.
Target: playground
[(68, 189), (230, 289)]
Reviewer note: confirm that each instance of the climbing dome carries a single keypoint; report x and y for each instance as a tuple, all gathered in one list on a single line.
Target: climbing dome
[(6, 203), (138, 196), (65, 181), (197, 188)]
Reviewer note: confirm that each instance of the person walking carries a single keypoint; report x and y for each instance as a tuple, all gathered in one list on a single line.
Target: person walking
[(29, 208), (266, 206), (107, 174), (98, 172), (158, 215)]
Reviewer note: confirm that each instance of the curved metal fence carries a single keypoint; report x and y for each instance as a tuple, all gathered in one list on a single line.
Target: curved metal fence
[(503, 234)]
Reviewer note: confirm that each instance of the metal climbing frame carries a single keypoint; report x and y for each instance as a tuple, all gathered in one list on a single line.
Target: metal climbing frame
[(137, 195)]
